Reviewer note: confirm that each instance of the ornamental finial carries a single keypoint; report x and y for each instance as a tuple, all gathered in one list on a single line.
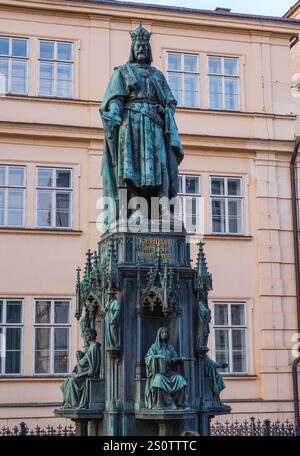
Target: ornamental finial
[(140, 33)]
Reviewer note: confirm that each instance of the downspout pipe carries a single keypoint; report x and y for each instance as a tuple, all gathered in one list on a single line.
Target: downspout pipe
[(293, 173)]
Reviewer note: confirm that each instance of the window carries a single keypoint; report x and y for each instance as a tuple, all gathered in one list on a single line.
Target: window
[(52, 337), (12, 196), (223, 76), (56, 69), (11, 336), (54, 198), (188, 203), (227, 205), (183, 78), (13, 65), (230, 333)]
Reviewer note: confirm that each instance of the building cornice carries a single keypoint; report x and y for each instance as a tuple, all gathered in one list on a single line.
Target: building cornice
[(133, 12), (293, 11)]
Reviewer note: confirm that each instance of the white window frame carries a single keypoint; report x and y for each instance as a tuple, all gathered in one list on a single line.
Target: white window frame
[(227, 198), (54, 190), (4, 327), (6, 187), (52, 326), (182, 72), (55, 63), (230, 328), (224, 76), (10, 59), (184, 195)]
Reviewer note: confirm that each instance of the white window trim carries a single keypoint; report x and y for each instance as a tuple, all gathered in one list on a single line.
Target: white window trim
[(230, 327), (182, 72), (227, 197), (52, 326), (55, 62), (197, 196), (12, 58), (54, 190), (223, 76), (6, 187), (4, 326)]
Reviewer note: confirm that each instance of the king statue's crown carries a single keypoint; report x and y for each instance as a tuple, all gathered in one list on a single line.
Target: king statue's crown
[(140, 33)]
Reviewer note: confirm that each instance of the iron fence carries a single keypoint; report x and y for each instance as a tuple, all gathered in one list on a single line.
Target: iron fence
[(255, 428), (24, 430)]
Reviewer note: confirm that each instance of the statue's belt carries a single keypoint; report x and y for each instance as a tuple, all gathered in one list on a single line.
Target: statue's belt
[(152, 114)]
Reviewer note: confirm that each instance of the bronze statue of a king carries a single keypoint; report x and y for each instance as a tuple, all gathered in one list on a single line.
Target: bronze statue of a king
[(142, 149)]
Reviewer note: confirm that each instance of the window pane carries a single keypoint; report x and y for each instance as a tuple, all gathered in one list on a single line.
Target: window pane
[(180, 184), (231, 67), (239, 361), (14, 312), (192, 185), (64, 81), (61, 312), (221, 314), (61, 339), (190, 63), (174, 62), (4, 46), (235, 216), (3, 76), (237, 314), (238, 339), (46, 79), (218, 216), (61, 362), (178, 210), (63, 178), (62, 219), (175, 86), (1, 314), (42, 339), (42, 311), (1, 207), (13, 362), (44, 200), (42, 362), (63, 201), (217, 186), (234, 187), (231, 94), (191, 214), (215, 93), (191, 93), (18, 77), (2, 175), (221, 340), (46, 50), (16, 176), (63, 209), (19, 48), (15, 217), (13, 338), (45, 177), (15, 199), (223, 357), (214, 65), (64, 51)]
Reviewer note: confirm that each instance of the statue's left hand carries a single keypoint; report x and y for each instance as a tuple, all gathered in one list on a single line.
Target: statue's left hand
[(113, 118)]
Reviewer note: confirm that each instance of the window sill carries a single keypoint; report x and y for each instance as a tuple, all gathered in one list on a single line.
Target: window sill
[(32, 378), (239, 377), (48, 98), (228, 236), (21, 230)]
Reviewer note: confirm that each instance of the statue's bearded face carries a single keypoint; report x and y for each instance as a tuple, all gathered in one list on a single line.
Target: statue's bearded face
[(141, 50)]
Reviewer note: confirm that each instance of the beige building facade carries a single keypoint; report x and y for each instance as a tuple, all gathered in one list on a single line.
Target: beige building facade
[(237, 118)]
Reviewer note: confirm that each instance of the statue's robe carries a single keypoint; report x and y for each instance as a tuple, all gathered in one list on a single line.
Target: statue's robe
[(75, 388), (146, 148), (216, 379), (112, 324), (164, 386)]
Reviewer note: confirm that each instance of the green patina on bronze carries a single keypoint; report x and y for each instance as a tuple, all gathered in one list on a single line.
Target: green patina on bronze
[(142, 147), (165, 386), (75, 388)]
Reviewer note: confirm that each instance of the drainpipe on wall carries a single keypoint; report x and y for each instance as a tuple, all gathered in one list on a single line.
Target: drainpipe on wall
[(293, 171)]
